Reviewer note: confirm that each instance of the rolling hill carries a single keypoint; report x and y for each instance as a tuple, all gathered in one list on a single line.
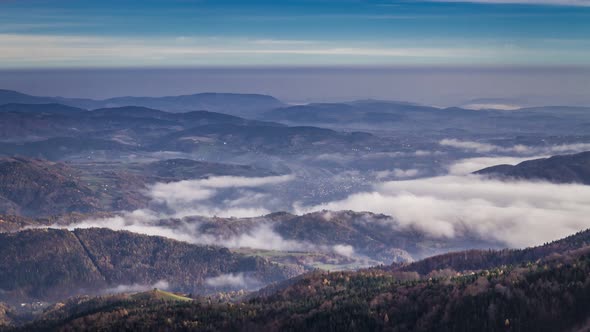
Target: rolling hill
[(53, 264), (573, 168), (14, 97), (110, 133), (53, 108), (549, 292), (37, 187)]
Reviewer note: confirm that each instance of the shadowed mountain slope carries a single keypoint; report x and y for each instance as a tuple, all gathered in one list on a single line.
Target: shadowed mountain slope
[(573, 168), (52, 264)]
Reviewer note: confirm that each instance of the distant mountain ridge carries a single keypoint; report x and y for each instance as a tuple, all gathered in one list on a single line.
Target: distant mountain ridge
[(14, 97), (574, 168), (402, 116), (57, 132), (363, 111), (52, 108), (357, 115), (247, 105)]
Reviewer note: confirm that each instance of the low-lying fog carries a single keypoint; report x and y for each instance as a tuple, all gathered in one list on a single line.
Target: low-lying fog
[(443, 202)]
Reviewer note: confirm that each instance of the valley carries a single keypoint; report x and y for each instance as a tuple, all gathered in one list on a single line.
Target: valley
[(111, 206)]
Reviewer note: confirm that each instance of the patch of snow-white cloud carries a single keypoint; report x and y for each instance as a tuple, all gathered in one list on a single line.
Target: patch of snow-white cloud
[(470, 165), (517, 213), (520, 149), (135, 288), (232, 280)]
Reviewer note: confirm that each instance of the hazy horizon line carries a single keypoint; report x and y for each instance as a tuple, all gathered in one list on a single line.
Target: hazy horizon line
[(312, 66)]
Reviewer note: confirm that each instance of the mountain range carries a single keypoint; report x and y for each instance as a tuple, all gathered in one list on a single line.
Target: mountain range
[(211, 173), (110, 133), (236, 104), (355, 114), (407, 117)]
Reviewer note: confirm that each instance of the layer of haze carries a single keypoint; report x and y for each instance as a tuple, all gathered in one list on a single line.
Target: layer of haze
[(439, 86)]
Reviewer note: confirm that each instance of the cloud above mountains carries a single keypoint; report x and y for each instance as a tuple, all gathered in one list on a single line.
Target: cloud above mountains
[(228, 280), (223, 196), (516, 213), (470, 165), (519, 149), (134, 288)]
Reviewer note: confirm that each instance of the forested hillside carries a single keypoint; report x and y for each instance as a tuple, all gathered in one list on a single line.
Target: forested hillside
[(545, 292), (51, 264)]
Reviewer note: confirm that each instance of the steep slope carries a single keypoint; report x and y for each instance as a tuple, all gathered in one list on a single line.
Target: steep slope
[(484, 259), (51, 264), (45, 264), (551, 293)]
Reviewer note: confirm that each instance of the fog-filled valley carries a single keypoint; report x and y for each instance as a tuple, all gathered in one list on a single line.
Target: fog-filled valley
[(295, 165), (226, 197)]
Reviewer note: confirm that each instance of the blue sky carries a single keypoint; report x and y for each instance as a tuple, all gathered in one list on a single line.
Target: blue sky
[(177, 33)]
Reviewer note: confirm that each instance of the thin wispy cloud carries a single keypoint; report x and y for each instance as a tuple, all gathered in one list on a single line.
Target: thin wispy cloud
[(310, 32), (18, 49), (29, 50)]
